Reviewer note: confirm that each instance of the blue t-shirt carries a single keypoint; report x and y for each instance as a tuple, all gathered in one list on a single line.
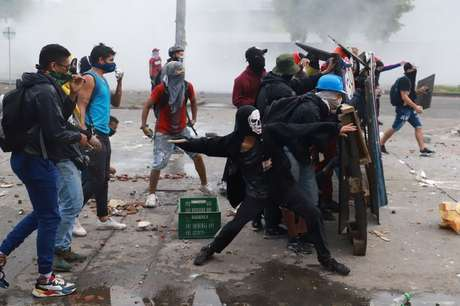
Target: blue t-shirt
[(98, 112)]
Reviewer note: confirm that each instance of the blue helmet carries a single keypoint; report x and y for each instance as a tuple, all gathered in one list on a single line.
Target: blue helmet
[(330, 82)]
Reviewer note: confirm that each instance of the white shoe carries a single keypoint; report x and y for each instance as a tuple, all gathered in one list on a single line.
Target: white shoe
[(152, 201), (109, 225), (78, 230), (205, 189)]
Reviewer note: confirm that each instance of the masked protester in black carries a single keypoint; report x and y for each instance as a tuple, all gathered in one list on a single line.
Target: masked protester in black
[(263, 178)]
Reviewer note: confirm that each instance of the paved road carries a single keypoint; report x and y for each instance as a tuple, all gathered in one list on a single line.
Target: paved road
[(153, 267)]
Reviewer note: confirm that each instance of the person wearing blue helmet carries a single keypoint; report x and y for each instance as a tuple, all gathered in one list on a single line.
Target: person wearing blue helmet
[(330, 89)]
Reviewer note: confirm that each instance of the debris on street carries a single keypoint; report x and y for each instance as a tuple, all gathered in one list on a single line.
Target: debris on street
[(450, 216), (381, 235)]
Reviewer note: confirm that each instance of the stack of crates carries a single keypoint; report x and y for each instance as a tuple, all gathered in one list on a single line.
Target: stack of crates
[(199, 217)]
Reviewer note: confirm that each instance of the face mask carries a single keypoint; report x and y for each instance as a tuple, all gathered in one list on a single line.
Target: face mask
[(255, 123), (61, 78), (330, 99), (107, 67), (257, 63), (112, 132)]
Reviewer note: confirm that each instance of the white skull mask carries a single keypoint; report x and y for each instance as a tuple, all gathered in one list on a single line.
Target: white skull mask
[(254, 122)]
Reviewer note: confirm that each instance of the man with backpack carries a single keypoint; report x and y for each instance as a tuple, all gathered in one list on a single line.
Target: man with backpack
[(35, 130), (169, 101), (94, 102), (403, 97)]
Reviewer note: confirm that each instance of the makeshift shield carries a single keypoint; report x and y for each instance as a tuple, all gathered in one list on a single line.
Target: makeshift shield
[(320, 54), (424, 99), (349, 53)]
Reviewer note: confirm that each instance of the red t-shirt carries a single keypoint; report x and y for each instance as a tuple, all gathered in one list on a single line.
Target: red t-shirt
[(165, 119)]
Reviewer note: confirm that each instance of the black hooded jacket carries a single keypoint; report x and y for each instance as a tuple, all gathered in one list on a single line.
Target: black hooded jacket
[(274, 138), (273, 87), (46, 109)]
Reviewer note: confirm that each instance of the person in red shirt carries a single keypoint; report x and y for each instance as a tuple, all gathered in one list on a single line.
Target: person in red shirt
[(154, 66), (247, 84), (169, 101)]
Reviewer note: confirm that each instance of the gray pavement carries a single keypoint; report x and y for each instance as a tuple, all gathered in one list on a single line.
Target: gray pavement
[(155, 268)]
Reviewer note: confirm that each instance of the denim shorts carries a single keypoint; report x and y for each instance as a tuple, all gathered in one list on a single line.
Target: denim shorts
[(162, 149), (406, 114)]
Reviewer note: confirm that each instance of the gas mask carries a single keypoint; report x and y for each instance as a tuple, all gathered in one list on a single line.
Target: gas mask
[(254, 122)]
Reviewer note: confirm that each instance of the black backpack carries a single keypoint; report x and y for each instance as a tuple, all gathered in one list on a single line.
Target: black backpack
[(13, 131), (165, 99), (395, 95)]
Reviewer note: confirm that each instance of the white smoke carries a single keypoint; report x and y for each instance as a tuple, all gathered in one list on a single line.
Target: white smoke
[(218, 32)]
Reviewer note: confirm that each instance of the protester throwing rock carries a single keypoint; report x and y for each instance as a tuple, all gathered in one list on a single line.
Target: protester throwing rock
[(263, 168)]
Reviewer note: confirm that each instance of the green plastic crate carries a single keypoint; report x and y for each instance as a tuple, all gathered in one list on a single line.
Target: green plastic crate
[(199, 217)]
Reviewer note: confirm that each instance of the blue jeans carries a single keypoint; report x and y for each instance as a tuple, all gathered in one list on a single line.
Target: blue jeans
[(305, 176), (40, 178), (70, 193), (406, 114)]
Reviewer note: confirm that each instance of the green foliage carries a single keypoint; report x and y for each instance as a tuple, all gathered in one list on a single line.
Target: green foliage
[(377, 19), (447, 89)]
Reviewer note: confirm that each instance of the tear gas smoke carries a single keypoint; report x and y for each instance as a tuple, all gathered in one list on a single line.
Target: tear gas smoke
[(218, 33)]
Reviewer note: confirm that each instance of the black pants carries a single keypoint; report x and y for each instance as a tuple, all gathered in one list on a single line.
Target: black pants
[(296, 201), (272, 213), (95, 178)]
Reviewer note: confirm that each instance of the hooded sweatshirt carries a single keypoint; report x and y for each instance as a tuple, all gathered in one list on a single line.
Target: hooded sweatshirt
[(246, 87), (273, 87), (276, 180)]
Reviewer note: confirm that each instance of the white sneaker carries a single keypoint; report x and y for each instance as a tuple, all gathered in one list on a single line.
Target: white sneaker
[(206, 189), (109, 225), (152, 201), (78, 230)]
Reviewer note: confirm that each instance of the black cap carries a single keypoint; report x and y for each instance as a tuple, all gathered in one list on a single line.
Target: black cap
[(408, 66), (253, 52)]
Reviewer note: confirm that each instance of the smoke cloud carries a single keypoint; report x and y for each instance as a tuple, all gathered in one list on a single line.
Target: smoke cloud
[(218, 33)]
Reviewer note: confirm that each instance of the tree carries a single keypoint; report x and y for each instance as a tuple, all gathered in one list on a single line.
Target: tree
[(377, 19)]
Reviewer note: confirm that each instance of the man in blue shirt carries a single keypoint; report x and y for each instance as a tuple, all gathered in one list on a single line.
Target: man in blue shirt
[(94, 102), (403, 96)]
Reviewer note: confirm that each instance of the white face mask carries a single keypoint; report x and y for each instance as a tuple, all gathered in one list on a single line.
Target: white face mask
[(331, 99), (255, 123)]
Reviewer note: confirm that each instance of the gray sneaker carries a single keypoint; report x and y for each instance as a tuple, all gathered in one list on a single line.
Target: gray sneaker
[(61, 265)]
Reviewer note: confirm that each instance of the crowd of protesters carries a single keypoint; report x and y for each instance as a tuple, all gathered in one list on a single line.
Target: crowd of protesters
[(286, 118)]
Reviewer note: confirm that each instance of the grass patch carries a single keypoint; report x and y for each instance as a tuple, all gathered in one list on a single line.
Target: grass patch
[(447, 89)]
